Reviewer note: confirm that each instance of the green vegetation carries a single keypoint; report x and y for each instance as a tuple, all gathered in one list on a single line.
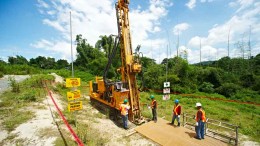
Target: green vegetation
[(247, 117), (86, 133), (12, 102), (226, 78)]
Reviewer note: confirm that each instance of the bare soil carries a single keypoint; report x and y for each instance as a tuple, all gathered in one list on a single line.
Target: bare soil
[(42, 129)]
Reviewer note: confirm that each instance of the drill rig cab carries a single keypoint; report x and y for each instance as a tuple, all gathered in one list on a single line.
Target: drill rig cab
[(113, 93)]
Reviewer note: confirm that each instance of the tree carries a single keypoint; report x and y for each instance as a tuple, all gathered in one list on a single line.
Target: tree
[(61, 64), (89, 58), (151, 76), (43, 62), (17, 60)]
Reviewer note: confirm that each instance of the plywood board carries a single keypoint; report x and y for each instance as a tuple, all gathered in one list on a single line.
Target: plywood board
[(165, 134)]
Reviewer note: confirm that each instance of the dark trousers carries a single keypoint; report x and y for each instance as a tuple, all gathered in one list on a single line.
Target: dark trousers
[(154, 114), (200, 130), (175, 117), (125, 119)]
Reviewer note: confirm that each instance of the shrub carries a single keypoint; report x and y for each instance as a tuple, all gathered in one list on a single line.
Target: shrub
[(247, 96), (28, 96), (228, 89), (14, 85), (206, 87), (1, 74)]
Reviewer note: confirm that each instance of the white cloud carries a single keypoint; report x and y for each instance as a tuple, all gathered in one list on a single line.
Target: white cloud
[(191, 4), (93, 18), (204, 1), (43, 4), (54, 24), (42, 43), (239, 26), (179, 28), (244, 4)]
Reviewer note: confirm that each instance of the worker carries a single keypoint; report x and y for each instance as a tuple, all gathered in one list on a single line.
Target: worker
[(176, 112), (124, 113), (154, 108), (200, 122)]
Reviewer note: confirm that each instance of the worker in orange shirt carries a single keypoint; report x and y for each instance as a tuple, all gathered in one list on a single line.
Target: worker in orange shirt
[(176, 112), (124, 113), (154, 108), (200, 122)]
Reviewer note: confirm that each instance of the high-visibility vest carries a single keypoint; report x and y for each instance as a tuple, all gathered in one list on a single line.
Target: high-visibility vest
[(124, 109), (154, 104), (203, 117), (175, 109)]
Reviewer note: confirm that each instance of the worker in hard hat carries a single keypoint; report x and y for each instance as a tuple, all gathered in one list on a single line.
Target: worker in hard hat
[(200, 122), (176, 112), (124, 107), (154, 108)]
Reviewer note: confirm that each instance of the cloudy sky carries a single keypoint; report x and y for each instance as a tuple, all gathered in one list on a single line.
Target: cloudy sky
[(34, 28)]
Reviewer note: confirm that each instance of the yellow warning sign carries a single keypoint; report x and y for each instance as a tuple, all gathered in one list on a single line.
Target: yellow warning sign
[(73, 95), (72, 82), (73, 106)]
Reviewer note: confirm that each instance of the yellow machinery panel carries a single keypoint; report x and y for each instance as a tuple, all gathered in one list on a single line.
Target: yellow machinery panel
[(101, 86), (119, 97)]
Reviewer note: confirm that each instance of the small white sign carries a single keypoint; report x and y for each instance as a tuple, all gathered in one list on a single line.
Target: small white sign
[(166, 84), (166, 90), (166, 97)]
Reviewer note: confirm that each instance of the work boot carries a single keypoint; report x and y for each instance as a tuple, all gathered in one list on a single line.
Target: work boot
[(179, 124)]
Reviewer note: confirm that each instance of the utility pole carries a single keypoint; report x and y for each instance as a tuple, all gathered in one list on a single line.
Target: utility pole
[(168, 42), (249, 43), (72, 69), (167, 64), (228, 40), (200, 51), (177, 45)]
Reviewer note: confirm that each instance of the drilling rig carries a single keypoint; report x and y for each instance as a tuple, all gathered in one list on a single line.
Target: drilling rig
[(112, 93)]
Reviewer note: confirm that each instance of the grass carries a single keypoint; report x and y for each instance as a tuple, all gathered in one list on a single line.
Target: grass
[(247, 117), (13, 110), (77, 120)]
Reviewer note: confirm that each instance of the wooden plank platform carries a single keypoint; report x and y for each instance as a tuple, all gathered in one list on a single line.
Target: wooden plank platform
[(167, 135)]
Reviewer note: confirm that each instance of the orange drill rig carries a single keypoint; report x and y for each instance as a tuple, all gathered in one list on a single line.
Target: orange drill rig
[(113, 93)]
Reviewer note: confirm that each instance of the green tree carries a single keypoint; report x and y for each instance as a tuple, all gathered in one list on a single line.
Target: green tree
[(61, 64), (151, 76), (17, 60)]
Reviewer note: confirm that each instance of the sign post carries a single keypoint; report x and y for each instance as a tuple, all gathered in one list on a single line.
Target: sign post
[(166, 91), (73, 96)]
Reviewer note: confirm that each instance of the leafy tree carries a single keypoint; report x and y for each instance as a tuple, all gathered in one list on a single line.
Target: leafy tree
[(247, 80), (228, 89), (256, 65), (224, 63), (43, 62), (89, 58), (105, 44), (61, 64), (17, 60), (206, 87), (151, 76), (147, 62)]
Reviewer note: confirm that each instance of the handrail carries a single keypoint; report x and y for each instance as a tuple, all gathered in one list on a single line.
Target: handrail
[(233, 128)]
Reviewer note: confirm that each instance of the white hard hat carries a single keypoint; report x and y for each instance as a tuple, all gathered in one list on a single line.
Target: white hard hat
[(198, 104)]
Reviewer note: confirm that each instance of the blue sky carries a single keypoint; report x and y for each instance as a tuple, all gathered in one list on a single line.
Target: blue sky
[(34, 28)]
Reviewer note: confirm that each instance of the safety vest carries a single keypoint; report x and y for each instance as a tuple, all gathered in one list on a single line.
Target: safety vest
[(203, 116), (124, 109), (175, 109), (154, 104)]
